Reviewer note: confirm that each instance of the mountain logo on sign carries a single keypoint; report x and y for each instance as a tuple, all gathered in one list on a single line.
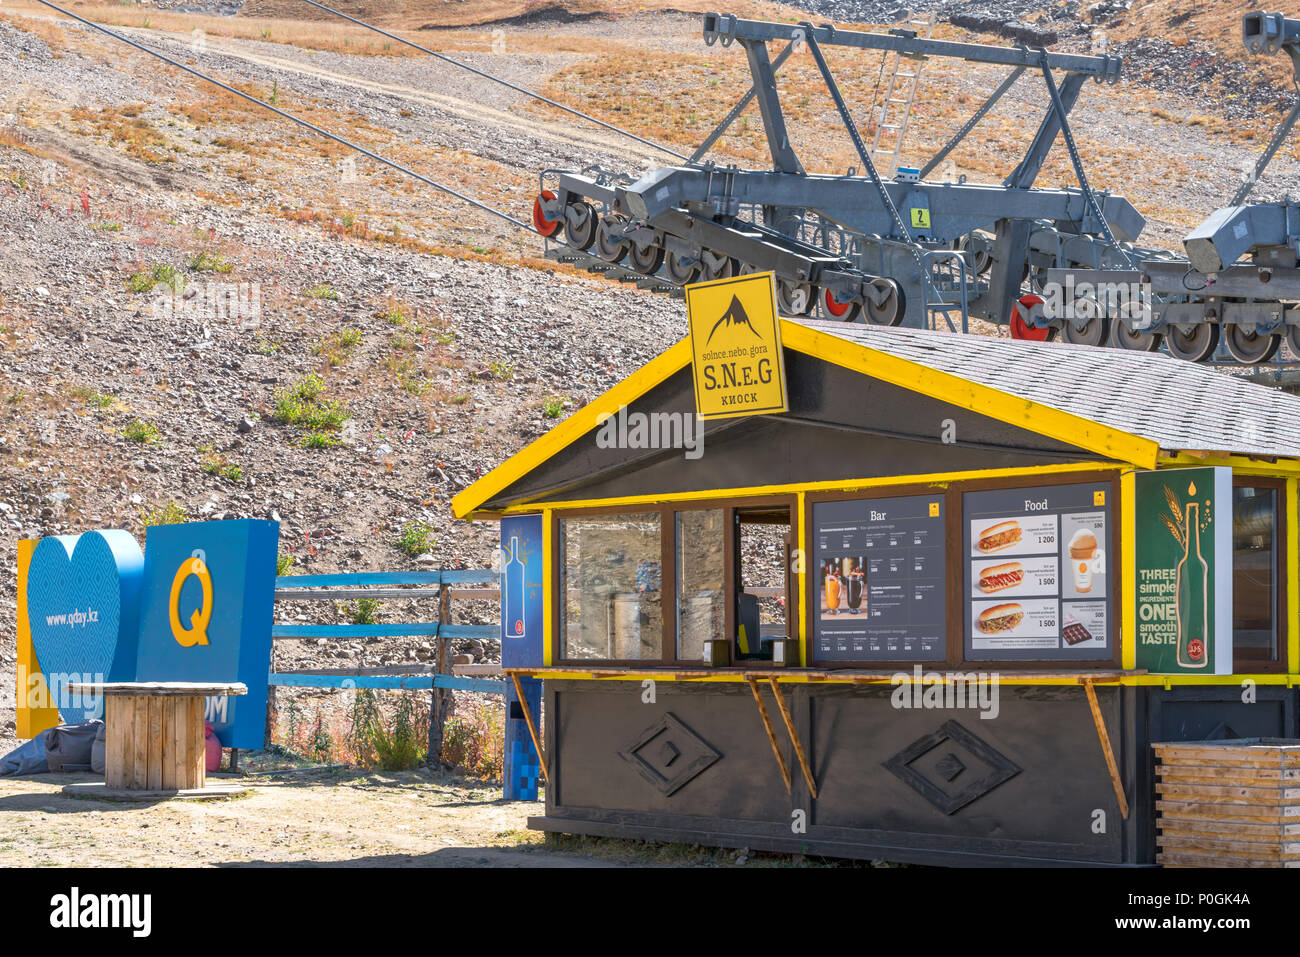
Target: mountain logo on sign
[(734, 316)]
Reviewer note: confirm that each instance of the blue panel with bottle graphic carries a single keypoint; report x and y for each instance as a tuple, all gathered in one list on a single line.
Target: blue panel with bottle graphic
[(521, 592), (522, 767), (206, 613)]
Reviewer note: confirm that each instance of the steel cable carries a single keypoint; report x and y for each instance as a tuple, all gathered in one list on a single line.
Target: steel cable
[(294, 119)]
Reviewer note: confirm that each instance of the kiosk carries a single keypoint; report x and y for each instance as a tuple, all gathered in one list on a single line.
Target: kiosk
[(952, 589)]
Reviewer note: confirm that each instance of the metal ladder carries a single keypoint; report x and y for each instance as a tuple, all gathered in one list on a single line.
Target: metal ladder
[(947, 290), (886, 157)]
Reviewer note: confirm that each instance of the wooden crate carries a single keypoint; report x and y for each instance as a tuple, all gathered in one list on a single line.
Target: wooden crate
[(1228, 803)]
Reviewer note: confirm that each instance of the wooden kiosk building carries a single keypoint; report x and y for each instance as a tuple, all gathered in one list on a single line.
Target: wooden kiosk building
[(992, 591)]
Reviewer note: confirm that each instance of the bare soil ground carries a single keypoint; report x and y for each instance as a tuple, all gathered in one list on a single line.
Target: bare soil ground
[(336, 818)]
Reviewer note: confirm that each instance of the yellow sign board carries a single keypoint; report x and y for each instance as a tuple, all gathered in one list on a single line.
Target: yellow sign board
[(921, 217), (736, 356)]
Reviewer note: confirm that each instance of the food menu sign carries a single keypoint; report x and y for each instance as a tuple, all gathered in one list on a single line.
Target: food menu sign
[(1184, 571), (1037, 579), (880, 576)]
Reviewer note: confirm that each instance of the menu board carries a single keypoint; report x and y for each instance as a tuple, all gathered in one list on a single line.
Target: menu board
[(1038, 583), (880, 576)]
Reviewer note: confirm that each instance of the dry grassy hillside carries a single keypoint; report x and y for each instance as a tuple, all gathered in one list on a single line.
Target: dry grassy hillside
[(431, 14)]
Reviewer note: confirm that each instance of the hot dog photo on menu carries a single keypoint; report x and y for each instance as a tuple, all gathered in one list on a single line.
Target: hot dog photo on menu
[(1014, 577), (1013, 536), (1026, 623)]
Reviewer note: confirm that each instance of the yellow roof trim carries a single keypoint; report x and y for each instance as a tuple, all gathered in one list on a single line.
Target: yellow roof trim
[(963, 393), (905, 373), (932, 479), (573, 428)]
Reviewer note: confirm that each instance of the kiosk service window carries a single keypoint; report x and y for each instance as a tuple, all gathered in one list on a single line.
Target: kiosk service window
[(652, 586)]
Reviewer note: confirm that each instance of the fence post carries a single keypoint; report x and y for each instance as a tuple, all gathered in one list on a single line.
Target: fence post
[(440, 698), (272, 715)]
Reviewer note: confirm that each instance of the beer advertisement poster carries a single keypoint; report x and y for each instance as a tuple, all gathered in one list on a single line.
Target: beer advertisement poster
[(1183, 571)]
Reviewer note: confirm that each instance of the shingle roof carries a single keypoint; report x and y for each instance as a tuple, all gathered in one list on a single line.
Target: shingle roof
[(1179, 405)]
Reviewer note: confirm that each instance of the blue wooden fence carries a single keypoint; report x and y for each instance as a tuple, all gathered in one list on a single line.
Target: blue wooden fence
[(401, 586), (522, 765), (379, 585)]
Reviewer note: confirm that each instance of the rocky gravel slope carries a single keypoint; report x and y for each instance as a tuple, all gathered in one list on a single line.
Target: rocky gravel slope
[(452, 364)]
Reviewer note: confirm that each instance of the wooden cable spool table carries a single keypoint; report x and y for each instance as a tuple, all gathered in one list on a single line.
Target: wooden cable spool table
[(154, 733)]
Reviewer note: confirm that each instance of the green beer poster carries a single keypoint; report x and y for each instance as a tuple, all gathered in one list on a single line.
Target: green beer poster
[(1184, 571)]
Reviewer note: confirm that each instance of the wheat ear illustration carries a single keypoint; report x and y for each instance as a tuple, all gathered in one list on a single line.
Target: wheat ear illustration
[(1175, 524)]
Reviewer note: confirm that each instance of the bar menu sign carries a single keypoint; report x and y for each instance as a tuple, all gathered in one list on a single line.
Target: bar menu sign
[(880, 577), (1038, 583)]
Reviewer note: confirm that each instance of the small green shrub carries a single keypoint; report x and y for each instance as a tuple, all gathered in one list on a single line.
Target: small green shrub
[(395, 744), (173, 513), (473, 739), (206, 262), (363, 611), (318, 440), (303, 404), (137, 430), (414, 539), (214, 463), (322, 291), (97, 400), (397, 314), (145, 281), (284, 563), (503, 371), (338, 348), (553, 407)]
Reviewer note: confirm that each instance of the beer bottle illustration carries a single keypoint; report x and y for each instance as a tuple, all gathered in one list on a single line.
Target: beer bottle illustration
[(1192, 595), (514, 593)]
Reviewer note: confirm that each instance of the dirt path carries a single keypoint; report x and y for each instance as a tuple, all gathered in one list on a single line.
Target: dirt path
[(566, 133), (343, 819)]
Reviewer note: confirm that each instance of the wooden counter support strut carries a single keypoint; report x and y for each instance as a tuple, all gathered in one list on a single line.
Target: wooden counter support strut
[(1111, 766), (794, 737), (771, 734), (532, 730)]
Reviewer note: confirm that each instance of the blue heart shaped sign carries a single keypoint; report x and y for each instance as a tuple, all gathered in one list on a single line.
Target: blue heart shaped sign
[(83, 607)]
